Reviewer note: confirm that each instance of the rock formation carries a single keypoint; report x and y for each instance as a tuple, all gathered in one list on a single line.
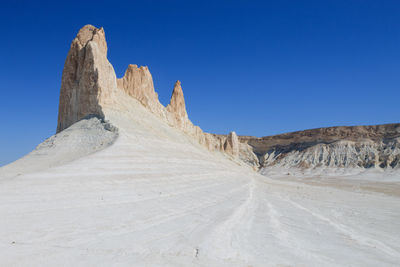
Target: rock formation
[(177, 105), (89, 84), (339, 147), (231, 145), (339, 154), (88, 79), (247, 155), (138, 83)]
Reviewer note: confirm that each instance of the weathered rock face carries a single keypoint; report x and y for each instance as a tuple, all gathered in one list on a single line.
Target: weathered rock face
[(138, 83), (322, 135), (177, 104), (88, 78), (89, 85), (339, 154), (231, 145), (247, 155), (336, 147)]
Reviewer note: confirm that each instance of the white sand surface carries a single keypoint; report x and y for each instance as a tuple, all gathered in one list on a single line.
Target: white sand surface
[(155, 198)]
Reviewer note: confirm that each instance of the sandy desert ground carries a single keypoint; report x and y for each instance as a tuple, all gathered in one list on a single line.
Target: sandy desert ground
[(153, 197)]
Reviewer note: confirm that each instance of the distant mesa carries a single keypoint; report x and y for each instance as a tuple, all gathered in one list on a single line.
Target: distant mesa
[(375, 146)]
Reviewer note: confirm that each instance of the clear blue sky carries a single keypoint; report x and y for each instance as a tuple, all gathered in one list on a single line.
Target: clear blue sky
[(256, 67)]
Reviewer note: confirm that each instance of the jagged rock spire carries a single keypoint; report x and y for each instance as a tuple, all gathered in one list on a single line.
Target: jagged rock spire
[(90, 33), (89, 87), (88, 79), (177, 103), (138, 83)]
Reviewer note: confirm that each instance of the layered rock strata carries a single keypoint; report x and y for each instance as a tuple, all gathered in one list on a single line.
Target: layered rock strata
[(341, 154), (340, 147)]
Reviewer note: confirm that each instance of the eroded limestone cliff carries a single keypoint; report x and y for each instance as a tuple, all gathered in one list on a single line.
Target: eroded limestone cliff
[(340, 147), (89, 84), (88, 79)]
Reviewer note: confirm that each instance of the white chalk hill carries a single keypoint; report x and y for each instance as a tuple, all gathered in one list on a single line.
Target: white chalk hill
[(160, 192)]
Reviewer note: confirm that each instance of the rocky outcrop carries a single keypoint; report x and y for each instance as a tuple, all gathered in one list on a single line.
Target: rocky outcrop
[(244, 152), (322, 135), (337, 147), (89, 86), (88, 79), (247, 155), (339, 154), (138, 83), (231, 145), (177, 105)]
